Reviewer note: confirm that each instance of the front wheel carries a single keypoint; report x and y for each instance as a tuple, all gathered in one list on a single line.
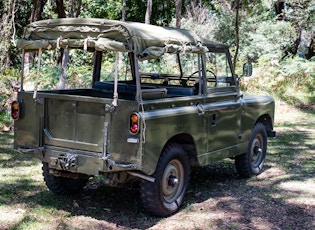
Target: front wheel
[(62, 185), (166, 194), (252, 162)]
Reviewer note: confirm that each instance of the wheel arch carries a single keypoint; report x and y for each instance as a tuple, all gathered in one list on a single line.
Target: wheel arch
[(152, 152), (188, 143), (267, 121)]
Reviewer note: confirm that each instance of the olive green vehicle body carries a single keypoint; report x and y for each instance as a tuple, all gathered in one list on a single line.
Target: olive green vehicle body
[(79, 133), (61, 124)]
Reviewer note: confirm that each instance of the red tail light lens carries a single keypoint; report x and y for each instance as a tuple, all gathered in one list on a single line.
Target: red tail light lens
[(134, 123), (134, 128), (15, 110)]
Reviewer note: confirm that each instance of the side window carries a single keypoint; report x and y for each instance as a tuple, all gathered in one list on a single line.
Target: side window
[(219, 72), (171, 69), (164, 70)]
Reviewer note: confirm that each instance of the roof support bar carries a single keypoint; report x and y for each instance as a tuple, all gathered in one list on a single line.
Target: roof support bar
[(137, 76), (22, 72), (38, 72), (114, 103)]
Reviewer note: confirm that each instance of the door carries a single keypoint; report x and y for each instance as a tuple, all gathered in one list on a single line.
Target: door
[(223, 123), (223, 107)]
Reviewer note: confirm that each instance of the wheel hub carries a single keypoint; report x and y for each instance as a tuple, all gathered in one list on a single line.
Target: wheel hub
[(173, 180), (257, 150), (256, 153)]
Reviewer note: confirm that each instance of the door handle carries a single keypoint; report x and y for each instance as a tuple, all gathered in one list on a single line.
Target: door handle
[(201, 110), (214, 118)]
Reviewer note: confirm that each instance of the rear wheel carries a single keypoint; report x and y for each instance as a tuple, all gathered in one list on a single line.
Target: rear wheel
[(252, 162), (166, 194), (62, 185)]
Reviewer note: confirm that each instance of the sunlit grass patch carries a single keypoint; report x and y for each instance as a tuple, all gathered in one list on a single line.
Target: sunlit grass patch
[(10, 215)]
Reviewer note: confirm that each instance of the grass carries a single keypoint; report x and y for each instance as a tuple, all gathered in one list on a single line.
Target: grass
[(283, 197)]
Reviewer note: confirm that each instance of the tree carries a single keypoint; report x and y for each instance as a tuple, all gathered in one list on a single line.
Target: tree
[(179, 5), (237, 36), (7, 33), (148, 12), (36, 14), (60, 8), (64, 53), (301, 15), (200, 19), (123, 10), (279, 8), (38, 6)]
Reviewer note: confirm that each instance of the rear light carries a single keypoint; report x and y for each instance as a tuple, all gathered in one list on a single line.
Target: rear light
[(15, 110), (134, 123)]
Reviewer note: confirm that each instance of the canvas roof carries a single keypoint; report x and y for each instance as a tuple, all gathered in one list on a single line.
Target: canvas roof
[(147, 41)]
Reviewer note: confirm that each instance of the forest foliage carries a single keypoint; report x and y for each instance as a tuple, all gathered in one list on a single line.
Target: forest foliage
[(278, 36)]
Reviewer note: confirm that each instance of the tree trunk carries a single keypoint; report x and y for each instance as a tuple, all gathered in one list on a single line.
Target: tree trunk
[(60, 9), (179, 4), (279, 9), (148, 12), (311, 50), (123, 10), (237, 36), (123, 18), (6, 33), (62, 79), (37, 10), (64, 53), (78, 11), (36, 14)]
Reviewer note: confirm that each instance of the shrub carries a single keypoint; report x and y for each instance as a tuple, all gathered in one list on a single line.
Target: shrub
[(292, 80)]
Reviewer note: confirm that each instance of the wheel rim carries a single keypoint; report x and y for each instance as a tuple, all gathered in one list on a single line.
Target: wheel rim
[(172, 181), (257, 151)]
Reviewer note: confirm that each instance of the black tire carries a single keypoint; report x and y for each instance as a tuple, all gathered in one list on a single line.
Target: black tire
[(166, 194), (252, 162), (62, 185)]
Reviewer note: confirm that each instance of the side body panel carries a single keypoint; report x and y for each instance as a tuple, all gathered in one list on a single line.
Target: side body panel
[(221, 130), (212, 122)]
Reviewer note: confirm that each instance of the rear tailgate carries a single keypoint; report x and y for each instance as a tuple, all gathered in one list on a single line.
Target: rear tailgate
[(61, 120), (76, 123)]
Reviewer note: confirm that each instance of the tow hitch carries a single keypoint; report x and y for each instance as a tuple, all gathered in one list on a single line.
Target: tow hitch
[(65, 162)]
